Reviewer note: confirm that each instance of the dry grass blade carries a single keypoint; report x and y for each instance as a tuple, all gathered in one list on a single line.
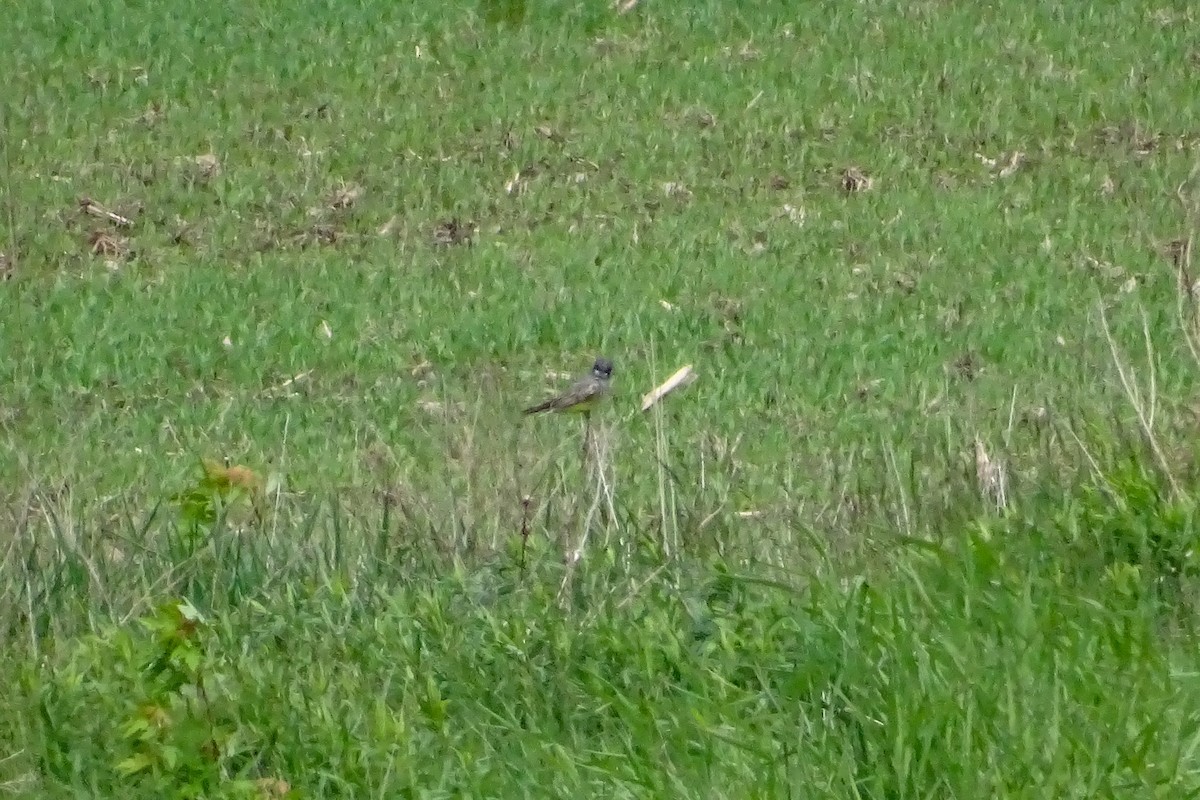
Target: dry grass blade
[(1179, 252), (601, 511), (991, 477), (515, 185), (1144, 407), (682, 377), (94, 209)]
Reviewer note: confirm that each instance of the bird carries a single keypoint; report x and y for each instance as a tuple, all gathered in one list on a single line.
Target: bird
[(584, 395)]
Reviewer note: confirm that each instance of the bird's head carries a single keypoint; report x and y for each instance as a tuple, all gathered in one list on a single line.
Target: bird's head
[(602, 368)]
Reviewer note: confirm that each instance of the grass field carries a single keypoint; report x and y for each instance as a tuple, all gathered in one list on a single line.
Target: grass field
[(922, 526)]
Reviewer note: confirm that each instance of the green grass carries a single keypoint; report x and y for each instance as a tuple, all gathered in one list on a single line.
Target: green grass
[(783, 582)]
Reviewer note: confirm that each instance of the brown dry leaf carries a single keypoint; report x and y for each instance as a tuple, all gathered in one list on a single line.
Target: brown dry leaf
[(779, 182), (682, 377), (7, 267), (107, 244), (1107, 187), (624, 6), (855, 180), (90, 207), (345, 196)]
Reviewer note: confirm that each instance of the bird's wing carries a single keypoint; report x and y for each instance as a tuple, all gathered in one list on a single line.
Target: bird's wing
[(583, 389)]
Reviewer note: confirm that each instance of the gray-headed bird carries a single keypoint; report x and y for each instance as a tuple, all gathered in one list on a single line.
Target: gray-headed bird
[(583, 395)]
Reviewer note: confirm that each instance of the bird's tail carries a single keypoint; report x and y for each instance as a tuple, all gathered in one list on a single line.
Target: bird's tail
[(546, 406)]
